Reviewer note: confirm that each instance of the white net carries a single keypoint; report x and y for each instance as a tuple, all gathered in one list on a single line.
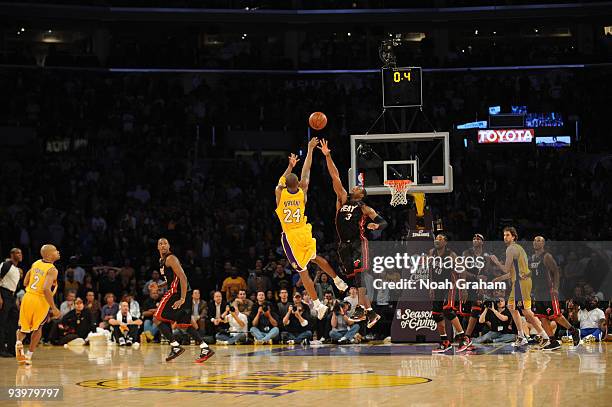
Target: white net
[(399, 189)]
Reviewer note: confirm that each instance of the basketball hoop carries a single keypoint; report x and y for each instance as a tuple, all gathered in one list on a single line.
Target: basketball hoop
[(399, 189)]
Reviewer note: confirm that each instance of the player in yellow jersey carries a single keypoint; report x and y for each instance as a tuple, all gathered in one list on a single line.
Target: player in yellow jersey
[(299, 245), (517, 271), (37, 301)]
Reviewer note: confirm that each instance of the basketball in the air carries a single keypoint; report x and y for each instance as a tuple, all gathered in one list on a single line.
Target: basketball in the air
[(317, 120)]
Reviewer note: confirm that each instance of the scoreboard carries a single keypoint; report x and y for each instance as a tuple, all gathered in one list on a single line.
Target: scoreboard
[(402, 87)]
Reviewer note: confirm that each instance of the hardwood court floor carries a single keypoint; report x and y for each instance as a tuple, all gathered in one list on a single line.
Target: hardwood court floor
[(361, 375)]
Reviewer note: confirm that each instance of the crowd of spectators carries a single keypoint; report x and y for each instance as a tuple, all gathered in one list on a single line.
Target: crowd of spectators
[(146, 173)]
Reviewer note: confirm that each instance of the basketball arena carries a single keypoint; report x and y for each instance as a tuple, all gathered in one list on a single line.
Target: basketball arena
[(366, 202)]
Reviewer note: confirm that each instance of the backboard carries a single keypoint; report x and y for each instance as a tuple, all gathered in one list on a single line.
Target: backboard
[(423, 158)]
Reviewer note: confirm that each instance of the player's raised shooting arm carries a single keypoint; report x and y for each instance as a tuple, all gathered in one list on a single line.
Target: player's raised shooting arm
[(378, 222), (305, 176), (553, 269), (293, 159), (333, 172), (174, 262), (49, 280)]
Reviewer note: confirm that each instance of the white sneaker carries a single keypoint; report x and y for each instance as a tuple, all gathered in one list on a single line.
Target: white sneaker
[(520, 341), (19, 355), (122, 341), (340, 285), (222, 342), (321, 310), (136, 345)]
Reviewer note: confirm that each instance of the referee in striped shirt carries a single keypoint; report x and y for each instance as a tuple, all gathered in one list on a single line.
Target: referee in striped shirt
[(10, 275)]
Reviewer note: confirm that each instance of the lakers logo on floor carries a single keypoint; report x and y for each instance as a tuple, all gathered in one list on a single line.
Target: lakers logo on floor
[(267, 383)]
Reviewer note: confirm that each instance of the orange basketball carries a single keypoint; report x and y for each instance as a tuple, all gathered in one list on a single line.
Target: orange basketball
[(317, 120)]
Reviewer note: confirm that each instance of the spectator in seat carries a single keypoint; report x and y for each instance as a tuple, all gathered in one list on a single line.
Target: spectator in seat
[(77, 323), (199, 312), (134, 305), (296, 322), (217, 311), (243, 304), (283, 305), (258, 281), (71, 284), (353, 299), (322, 284), (92, 304), (592, 320), (68, 305), (125, 327), (238, 328), (264, 322), (155, 279), (150, 306), (499, 321), (233, 284), (344, 328), (109, 310)]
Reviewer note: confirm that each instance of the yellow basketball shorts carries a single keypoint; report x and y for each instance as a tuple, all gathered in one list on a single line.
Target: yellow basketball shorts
[(300, 247), (520, 295), (33, 312)]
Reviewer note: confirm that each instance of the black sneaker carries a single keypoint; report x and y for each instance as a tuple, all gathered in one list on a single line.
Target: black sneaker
[(464, 343), (129, 342), (575, 336), (552, 345), (175, 352), (443, 347), (373, 318), (534, 340), (305, 342), (205, 354)]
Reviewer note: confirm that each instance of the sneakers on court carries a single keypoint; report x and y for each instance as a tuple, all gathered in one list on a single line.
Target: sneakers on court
[(175, 352), (373, 318), (342, 340), (321, 310), (121, 341), (520, 341), (257, 342), (464, 343), (543, 343), (19, 355), (444, 346), (534, 340), (205, 354), (341, 285), (129, 342), (553, 344), (305, 342), (575, 336)]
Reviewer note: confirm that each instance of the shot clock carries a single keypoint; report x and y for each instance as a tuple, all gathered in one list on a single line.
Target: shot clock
[(402, 87)]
